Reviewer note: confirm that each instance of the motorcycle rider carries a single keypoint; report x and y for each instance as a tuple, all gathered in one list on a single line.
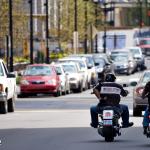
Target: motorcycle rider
[(108, 93), (146, 93)]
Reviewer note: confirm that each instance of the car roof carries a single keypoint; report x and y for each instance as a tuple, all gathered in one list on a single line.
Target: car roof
[(39, 65)]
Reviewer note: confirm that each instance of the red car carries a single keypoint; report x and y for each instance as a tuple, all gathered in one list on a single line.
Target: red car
[(40, 78), (145, 46)]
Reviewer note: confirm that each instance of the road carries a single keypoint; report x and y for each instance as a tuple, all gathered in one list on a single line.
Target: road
[(49, 123)]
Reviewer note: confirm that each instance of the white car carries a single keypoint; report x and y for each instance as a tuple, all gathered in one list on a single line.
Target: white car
[(83, 68), (7, 89), (74, 75), (65, 86), (92, 75)]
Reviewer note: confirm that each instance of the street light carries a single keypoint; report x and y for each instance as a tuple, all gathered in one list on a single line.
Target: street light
[(31, 31), (11, 35), (47, 33)]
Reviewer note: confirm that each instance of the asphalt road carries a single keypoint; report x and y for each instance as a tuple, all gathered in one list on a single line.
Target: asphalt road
[(50, 123)]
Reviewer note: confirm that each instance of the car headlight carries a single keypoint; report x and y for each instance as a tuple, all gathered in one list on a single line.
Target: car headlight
[(24, 82), (53, 82)]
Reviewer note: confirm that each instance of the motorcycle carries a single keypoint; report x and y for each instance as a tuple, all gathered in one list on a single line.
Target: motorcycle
[(109, 126)]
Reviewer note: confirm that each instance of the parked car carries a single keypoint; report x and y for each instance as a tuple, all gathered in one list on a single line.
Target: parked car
[(139, 104), (123, 61), (144, 44), (138, 56), (7, 89), (75, 76), (83, 68), (103, 64), (40, 78), (65, 86), (91, 67)]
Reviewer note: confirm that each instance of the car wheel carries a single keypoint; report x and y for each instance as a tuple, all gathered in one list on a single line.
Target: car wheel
[(80, 89), (3, 107), (11, 105), (58, 93), (137, 112)]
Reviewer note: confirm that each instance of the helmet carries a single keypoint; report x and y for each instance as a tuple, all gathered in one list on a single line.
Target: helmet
[(110, 77)]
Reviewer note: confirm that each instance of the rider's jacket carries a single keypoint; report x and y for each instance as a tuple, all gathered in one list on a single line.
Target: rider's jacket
[(110, 92)]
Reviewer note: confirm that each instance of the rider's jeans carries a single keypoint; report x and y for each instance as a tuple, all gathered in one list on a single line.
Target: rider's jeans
[(94, 114), (146, 118)]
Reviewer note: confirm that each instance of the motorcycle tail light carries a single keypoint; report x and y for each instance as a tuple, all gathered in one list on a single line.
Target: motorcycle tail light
[(107, 114), (139, 91)]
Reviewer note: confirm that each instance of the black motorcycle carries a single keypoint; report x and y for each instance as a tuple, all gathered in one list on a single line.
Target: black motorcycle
[(109, 126)]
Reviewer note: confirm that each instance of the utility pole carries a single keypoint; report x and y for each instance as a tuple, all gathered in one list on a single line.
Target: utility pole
[(11, 35), (85, 27), (31, 31), (105, 35), (47, 34), (141, 17), (75, 34), (96, 37)]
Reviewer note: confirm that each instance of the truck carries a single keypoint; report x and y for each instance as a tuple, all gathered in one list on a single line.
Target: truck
[(7, 89)]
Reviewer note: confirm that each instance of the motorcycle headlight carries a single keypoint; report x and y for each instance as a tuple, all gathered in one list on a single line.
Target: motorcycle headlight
[(24, 82)]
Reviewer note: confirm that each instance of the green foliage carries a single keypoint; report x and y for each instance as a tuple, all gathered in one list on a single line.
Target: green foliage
[(18, 80)]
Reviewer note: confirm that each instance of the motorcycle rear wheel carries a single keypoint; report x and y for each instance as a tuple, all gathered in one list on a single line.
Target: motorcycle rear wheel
[(109, 139)]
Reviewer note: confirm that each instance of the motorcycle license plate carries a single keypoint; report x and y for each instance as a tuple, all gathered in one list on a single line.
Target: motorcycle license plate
[(107, 122), (107, 114)]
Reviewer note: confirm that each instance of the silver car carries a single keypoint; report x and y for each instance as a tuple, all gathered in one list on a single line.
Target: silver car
[(74, 75), (123, 62), (65, 85), (139, 104), (83, 67)]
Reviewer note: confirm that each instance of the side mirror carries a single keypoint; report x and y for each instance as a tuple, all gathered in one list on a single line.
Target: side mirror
[(58, 73), (133, 83), (96, 64), (125, 85), (90, 66)]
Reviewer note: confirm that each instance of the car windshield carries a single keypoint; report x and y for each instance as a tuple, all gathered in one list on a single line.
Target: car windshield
[(1, 71), (119, 58), (70, 68), (135, 51), (146, 77), (99, 61), (81, 64), (118, 52), (38, 71), (58, 69)]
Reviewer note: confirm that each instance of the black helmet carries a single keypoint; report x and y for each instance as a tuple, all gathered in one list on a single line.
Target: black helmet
[(110, 77)]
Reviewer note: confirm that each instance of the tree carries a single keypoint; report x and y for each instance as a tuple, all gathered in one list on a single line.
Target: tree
[(19, 23)]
